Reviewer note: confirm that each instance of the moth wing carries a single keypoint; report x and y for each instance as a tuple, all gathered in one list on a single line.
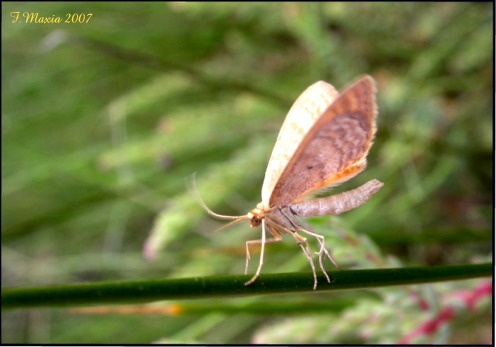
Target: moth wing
[(305, 111), (334, 149)]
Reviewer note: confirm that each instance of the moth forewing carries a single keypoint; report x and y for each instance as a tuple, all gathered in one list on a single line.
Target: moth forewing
[(301, 117), (335, 147)]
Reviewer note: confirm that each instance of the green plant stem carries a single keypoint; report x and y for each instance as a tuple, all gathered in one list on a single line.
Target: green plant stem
[(231, 286)]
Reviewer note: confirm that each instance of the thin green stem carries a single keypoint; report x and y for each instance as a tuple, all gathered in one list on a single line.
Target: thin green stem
[(231, 286)]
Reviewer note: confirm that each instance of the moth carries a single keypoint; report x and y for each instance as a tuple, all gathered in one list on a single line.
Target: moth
[(324, 141)]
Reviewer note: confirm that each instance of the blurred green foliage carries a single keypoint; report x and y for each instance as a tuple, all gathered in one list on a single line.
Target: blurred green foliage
[(104, 123)]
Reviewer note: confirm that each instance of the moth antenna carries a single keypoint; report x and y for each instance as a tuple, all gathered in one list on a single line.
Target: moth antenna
[(194, 191), (225, 226)]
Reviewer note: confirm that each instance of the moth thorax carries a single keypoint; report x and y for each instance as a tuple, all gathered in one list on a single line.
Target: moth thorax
[(256, 216)]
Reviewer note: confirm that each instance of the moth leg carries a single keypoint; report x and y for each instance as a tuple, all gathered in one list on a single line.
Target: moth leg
[(262, 242), (323, 250), (306, 249)]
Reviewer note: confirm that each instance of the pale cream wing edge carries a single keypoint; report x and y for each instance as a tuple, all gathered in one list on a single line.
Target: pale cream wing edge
[(305, 111)]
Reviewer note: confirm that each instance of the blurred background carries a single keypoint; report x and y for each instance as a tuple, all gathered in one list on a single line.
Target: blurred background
[(104, 123)]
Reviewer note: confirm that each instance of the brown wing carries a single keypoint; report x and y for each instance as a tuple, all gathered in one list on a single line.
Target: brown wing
[(335, 147), (301, 117)]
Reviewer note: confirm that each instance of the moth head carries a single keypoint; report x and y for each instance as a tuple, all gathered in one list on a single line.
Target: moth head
[(256, 216)]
